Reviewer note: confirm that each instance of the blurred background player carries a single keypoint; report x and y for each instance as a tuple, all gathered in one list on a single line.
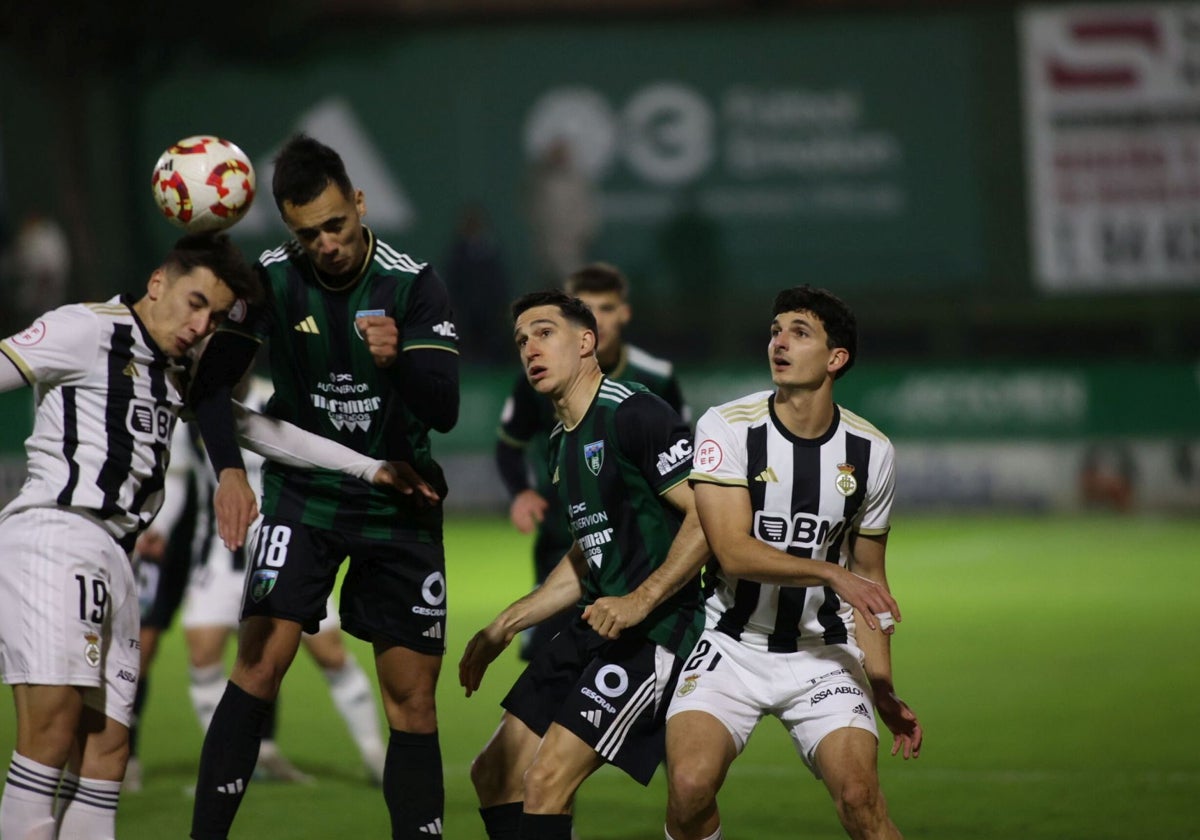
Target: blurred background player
[(528, 418)]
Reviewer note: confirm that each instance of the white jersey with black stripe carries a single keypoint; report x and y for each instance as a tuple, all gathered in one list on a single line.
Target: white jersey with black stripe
[(809, 498), (106, 401)]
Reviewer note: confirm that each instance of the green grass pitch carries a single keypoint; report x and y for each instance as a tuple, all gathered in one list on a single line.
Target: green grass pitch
[(1052, 662)]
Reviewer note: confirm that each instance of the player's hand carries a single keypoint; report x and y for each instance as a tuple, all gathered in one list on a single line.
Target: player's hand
[(871, 599), (401, 477), (381, 336), (610, 615), (151, 546), (901, 721), (481, 651), (236, 507), (527, 510)]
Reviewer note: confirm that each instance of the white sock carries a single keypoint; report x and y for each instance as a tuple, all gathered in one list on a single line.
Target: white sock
[(27, 806), (66, 791), (716, 835), (90, 811), (206, 686), (352, 694)]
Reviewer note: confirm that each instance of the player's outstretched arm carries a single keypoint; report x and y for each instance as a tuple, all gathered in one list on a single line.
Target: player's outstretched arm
[(280, 441), (558, 592), (689, 551)]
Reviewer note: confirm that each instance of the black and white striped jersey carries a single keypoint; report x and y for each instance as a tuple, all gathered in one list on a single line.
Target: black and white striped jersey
[(106, 402), (808, 497)]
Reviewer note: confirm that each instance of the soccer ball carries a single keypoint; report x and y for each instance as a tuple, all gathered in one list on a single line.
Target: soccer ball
[(203, 183)]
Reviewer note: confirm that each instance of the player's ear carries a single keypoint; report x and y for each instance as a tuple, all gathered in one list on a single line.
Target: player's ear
[(587, 343), (157, 283), (360, 203), (838, 357)]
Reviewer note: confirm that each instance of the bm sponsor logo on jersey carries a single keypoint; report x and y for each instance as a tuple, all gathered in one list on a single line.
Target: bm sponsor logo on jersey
[(673, 457), (801, 530), (149, 422)]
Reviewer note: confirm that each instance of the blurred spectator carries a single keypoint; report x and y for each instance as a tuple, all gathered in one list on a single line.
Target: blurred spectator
[(563, 216), (41, 266), (479, 289), (1106, 476)]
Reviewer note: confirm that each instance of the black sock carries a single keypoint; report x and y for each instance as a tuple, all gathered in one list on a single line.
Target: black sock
[(502, 822), (272, 721), (139, 702), (227, 761), (412, 785), (545, 827)]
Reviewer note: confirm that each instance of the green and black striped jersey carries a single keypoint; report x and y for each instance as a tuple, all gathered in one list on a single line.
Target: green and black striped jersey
[(326, 382), (612, 470), (528, 417)]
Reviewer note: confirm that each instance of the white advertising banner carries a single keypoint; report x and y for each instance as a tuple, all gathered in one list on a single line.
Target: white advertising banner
[(1112, 115)]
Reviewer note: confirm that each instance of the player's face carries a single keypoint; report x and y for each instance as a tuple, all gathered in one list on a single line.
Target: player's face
[(799, 351), (330, 230), (552, 349), (612, 314), (183, 310)]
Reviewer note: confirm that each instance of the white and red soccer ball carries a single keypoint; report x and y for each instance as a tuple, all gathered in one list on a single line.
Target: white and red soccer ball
[(203, 183)]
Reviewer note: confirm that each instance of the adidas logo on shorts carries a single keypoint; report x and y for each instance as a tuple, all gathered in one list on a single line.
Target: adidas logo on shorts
[(234, 787), (434, 827), (592, 717), (861, 709)]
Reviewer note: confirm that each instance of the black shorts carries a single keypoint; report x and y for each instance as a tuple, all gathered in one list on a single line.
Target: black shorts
[(394, 590), (611, 694)]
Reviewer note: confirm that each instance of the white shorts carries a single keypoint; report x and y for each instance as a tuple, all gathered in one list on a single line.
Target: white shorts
[(215, 589), (812, 692), (69, 611)]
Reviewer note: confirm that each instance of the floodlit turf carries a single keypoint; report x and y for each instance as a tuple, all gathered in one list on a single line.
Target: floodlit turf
[(1052, 662)]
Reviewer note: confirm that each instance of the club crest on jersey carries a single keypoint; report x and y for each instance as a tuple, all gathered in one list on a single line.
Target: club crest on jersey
[(262, 583), (593, 456), (365, 313), (688, 685), (91, 649), (845, 482)]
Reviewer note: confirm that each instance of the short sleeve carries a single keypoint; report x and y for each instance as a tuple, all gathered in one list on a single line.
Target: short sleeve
[(720, 458), (877, 507), (654, 437), (57, 348)]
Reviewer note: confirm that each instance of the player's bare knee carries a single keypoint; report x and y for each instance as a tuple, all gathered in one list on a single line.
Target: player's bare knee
[(691, 790), (494, 781), (544, 789), (860, 805)]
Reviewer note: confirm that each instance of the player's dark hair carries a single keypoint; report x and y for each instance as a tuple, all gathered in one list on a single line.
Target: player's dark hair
[(597, 278), (217, 253), (572, 308), (303, 169), (841, 327)]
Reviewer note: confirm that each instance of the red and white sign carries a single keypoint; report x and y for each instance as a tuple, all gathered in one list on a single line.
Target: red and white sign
[(1112, 115)]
